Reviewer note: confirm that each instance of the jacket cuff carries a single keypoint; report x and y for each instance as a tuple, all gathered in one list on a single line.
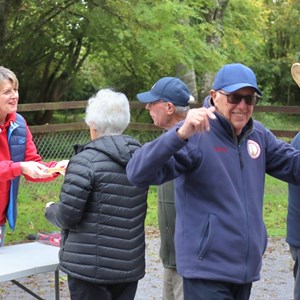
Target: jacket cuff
[(16, 169)]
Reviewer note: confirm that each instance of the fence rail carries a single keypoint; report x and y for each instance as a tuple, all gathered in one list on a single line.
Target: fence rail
[(74, 126)]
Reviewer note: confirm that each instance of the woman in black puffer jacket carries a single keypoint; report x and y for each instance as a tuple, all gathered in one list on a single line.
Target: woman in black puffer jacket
[(100, 213)]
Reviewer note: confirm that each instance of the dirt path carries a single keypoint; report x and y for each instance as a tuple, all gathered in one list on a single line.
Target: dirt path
[(276, 278), (276, 281)]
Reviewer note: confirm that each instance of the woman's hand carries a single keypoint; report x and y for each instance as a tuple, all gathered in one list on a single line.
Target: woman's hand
[(34, 169)]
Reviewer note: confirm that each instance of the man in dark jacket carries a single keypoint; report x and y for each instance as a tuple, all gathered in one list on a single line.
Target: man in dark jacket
[(218, 156), (293, 226), (293, 216), (100, 213), (168, 103)]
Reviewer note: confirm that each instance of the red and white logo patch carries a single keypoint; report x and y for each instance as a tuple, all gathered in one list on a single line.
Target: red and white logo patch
[(253, 149)]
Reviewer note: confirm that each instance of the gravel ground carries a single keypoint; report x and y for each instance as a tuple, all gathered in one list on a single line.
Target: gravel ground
[(276, 277)]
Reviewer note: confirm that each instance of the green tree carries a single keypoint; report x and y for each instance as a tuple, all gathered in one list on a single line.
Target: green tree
[(281, 50), (124, 44), (45, 44), (67, 49)]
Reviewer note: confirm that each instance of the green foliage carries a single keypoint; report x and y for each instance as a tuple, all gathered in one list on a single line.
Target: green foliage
[(281, 50), (241, 41), (278, 121), (152, 38), (49, 45), (69, 50)]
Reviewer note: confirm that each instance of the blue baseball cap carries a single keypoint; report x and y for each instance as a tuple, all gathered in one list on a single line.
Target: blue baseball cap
[(170, 89), (233, 77)]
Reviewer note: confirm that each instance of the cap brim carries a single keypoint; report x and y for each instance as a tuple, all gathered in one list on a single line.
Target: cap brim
[(295, 71), (147, 97), (234, 87)]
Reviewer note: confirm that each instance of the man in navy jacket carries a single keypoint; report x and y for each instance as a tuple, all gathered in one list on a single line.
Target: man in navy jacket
[(218, 156), (293, 226), (293, 216)]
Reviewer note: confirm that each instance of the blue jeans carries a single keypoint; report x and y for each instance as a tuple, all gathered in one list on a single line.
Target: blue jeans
[(202, 289), (2, 235), (295, 252)]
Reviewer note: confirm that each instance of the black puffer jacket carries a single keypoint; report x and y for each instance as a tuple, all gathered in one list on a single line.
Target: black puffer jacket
[(101, 214)]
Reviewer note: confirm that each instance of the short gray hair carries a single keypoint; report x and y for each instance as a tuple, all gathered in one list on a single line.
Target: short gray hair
[(6, 74), (184, 109), (108, 112)]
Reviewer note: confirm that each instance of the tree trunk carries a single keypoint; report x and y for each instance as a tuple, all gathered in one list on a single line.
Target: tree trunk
[(189, 77)]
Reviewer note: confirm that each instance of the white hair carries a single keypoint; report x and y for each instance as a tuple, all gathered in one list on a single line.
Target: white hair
[(108, 112), (184, 109)]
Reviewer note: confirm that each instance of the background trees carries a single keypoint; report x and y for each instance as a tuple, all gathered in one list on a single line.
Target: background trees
[(65, 50), (281, 49)]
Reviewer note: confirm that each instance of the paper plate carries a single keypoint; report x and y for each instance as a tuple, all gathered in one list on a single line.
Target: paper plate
[(55, 170), (295, 71)]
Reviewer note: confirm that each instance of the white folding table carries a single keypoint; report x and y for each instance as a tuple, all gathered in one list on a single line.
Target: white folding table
[(22, 260)]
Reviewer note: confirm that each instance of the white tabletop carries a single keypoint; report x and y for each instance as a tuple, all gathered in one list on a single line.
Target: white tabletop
[(23, 260)]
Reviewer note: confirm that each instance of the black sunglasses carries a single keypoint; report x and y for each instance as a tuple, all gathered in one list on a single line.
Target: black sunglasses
[(234, 98)]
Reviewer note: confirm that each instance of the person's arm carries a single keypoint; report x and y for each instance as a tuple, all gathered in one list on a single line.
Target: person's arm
[(296, 141), (197, 120), (282, 159), (165, 158), (74, 195), (9, 170), (154, 162), (33, 168)]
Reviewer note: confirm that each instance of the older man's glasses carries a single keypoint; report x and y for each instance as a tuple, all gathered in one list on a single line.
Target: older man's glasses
[(235, 98)]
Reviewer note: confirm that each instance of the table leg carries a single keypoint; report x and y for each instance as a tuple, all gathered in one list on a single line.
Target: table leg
[(17, 283), (56, 274)]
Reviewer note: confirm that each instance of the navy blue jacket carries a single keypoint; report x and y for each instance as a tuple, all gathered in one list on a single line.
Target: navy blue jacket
[(293, 216), (17, 146), (219, 182)]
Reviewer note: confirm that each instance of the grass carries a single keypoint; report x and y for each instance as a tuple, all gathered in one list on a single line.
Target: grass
[(33, 198), (278, 120), (31, 207), (275, 206)]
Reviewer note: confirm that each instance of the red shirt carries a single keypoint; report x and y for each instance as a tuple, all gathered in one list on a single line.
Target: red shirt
[(9, 169)]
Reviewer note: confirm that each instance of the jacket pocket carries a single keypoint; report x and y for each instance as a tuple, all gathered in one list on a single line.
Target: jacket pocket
[(206, 236)]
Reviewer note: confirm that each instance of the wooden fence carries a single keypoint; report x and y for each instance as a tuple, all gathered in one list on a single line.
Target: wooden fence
[(73, 126)]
